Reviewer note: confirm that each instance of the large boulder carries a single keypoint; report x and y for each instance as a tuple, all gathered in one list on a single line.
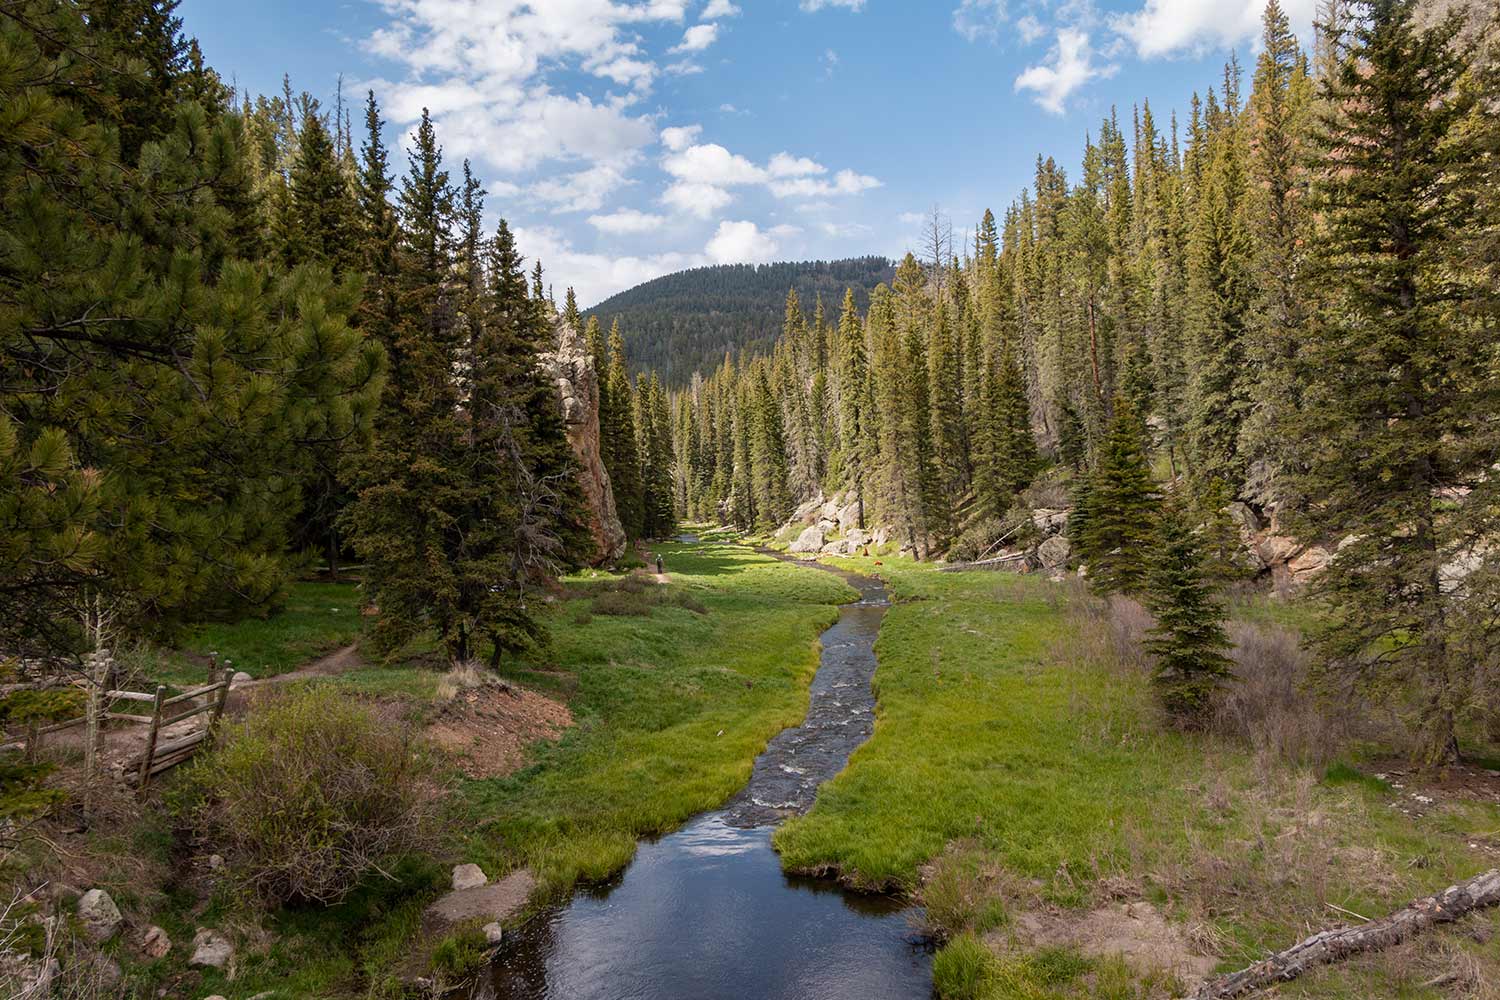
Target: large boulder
[(849, 516), (99, 915), (857, 538), (571, 368), (1054, 552), (1049, 521), (810, 512), (811, 540), (1276, 549), (1308, 563), (211, 950)]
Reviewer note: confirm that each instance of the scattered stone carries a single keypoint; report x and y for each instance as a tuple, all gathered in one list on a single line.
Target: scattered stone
[(155, 943), (215, 996), (99, 915), (215, 862), (240, 677), (211, 949), (267, 995), (811, 540), (107, 972), (468, 876), (493, 933)]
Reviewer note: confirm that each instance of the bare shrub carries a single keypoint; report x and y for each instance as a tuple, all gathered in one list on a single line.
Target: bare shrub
[(310, 794), (1270, 705), (463, 677)]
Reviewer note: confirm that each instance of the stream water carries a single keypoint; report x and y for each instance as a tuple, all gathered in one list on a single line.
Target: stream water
[(706, 912)]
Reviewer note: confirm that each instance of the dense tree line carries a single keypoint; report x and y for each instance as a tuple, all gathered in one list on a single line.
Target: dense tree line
[(686, 322), (1290, 302), (228, 337)]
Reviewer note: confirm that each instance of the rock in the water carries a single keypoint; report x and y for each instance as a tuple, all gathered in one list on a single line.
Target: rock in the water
[(155, 943), (571, 368), (99, 915), (468, 876), (211, 950), (1054, 552), (811, 540), (493, 932)]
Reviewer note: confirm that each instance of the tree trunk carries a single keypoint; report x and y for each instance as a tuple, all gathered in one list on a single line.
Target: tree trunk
[(1333, 945)]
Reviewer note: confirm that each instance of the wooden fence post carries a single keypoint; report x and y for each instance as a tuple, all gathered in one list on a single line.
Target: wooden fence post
[(148, 756), (213, 720)]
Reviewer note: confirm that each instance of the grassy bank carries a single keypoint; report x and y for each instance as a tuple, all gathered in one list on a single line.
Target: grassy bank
[(673, 689), (670, 711), (1020, 785)]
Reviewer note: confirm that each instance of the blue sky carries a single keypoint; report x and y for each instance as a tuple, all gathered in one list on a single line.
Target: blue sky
[(624, 139)]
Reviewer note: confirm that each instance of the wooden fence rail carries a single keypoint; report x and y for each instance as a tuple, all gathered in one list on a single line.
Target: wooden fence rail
[(157, 756)]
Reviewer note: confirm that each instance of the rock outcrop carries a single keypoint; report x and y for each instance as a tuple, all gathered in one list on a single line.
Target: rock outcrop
[(571, 368)]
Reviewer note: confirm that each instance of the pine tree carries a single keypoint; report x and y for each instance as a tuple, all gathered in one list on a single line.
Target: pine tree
[(855, 404), (1392, 378), (1121, 508), (618, 427), (321, 203), (1188, 639)]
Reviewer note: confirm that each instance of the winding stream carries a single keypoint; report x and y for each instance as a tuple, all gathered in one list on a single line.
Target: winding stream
[(706, 911)]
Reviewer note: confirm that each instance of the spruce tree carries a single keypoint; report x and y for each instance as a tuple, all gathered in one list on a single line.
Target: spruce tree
[(1188, 639), (618, 427), (1121, 514), (1393, 382)]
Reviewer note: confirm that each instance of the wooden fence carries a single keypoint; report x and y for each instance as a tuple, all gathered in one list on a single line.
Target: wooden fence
[(157, 756)]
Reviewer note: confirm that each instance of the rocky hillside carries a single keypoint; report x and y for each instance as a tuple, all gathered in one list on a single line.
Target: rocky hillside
[(685, 322)]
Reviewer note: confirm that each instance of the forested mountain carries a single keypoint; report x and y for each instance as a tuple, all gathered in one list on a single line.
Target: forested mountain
[(683, 323)]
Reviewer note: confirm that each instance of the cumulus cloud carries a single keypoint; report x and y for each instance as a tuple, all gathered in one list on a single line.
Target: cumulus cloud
[(844, 182), (1029, 28), (816, 5), (595, 276), (741, 243), (627, 222), (703, 173), (697, 38), (718, 8), (979, 19), (702, 200), (1169, 27), (583, 191), (680, 137), (1070, 66)]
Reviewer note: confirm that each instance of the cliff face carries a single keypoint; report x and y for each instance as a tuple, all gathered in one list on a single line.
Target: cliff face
[(571, 369)]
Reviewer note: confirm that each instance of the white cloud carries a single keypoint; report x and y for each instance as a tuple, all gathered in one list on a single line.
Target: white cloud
[(976, 19), (718, 8), (843, 230), (627, 221), (1030, 28), (830, 62), (1071, 67), (702, 200), (741, 243), (711, 163), (844, 182), (680, 137), (912, 218), (816, 5), (584, 191), (1168, 27), (787, 165), (685, 67), (597, 276), (697, 38)]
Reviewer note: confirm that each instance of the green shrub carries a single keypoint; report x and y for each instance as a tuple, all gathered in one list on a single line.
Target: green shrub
[(310, 794)]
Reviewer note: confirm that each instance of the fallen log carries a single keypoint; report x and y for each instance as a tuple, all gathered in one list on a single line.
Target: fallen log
[(1334, 945)]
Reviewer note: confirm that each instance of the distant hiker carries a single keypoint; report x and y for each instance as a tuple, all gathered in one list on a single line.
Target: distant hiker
[(658, 564)]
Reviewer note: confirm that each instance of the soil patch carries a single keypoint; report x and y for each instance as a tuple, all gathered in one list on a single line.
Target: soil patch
[(1136, 931), (492, 901), (487, 729)]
